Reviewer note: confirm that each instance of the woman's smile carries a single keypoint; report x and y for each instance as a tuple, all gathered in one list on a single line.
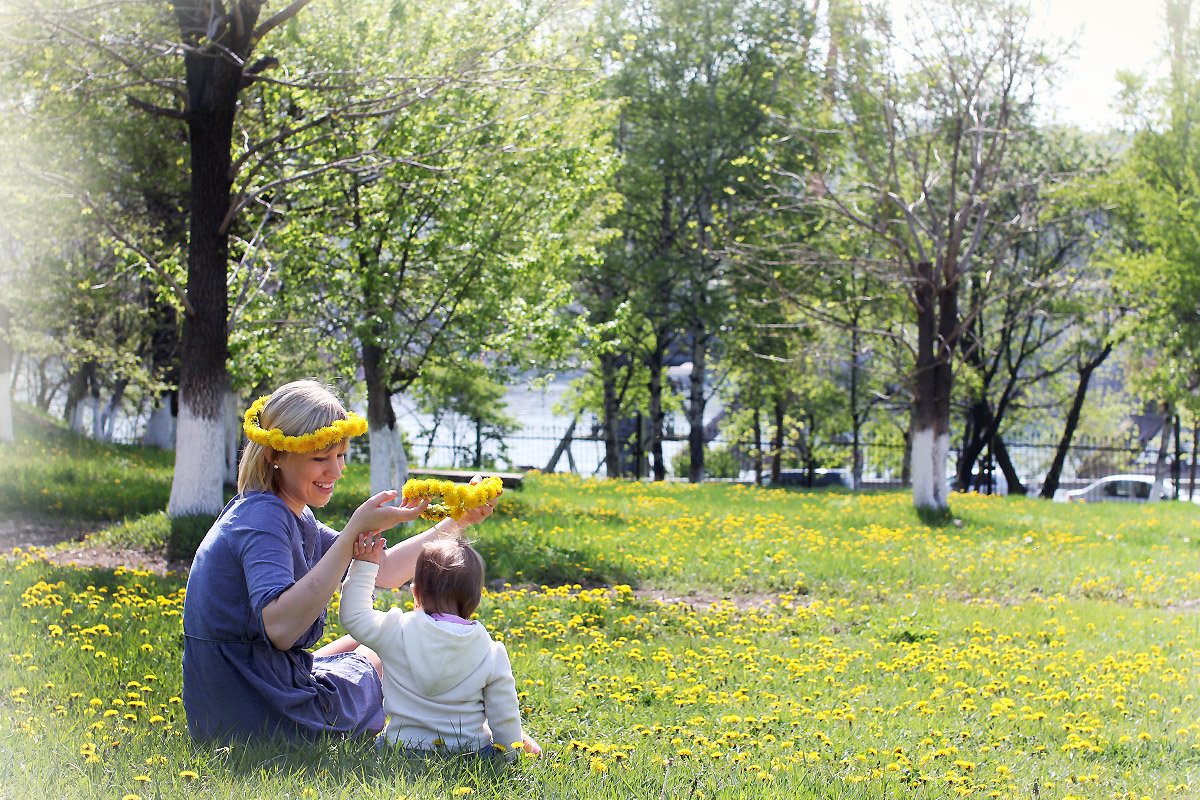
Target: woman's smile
[(307, 479)]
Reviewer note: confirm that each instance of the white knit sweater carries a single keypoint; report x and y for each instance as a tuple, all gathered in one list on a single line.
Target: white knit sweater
[(439, 685)]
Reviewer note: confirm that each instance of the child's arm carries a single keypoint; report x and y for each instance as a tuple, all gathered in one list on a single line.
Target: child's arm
[(501, 708), (357, 614)]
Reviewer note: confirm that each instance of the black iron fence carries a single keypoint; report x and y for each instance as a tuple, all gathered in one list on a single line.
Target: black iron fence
[(883, 461)]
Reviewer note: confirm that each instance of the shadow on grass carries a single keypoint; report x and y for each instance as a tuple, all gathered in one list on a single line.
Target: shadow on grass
[(522, 558), (186, 534), (343, 761), (936, 517)]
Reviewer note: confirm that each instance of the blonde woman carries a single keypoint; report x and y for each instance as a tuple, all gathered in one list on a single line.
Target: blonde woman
[(262, 579)]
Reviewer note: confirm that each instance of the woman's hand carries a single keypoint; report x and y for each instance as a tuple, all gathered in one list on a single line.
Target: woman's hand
[(373, 515), (369, 547), (473, 515)]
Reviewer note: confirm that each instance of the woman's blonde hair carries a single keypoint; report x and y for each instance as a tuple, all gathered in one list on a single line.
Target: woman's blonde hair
[(295, 408)]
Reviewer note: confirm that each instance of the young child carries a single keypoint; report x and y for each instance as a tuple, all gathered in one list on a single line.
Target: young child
[(446, 684)]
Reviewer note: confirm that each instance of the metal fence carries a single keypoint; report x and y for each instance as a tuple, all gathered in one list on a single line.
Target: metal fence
[(883, 462), (583, 453)]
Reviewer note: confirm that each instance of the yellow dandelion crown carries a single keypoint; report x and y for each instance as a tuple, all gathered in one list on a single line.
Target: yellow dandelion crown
[(455, 499), (352, 425)]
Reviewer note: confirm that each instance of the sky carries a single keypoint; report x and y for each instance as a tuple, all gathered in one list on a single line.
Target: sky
[(1109, 35)]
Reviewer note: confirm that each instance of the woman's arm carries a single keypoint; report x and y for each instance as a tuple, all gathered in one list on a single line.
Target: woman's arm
[(288, 616), (399, 562)]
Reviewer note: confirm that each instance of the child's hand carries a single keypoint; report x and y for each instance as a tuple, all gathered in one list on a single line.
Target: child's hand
[(369, 546), (532, 748)]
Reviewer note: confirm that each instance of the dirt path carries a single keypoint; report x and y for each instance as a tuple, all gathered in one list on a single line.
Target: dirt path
[(50, 533), (44, 532)]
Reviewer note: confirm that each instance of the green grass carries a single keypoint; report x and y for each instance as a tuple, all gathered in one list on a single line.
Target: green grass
[(672, 641)]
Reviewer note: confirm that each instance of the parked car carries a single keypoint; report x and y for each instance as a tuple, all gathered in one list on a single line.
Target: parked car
[(820, 478), (1126, 488), (995, 483)]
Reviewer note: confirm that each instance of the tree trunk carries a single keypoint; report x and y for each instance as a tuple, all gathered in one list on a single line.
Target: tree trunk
[(108, 415), (777, 440), (1050, 484), (1164, 449), (478, 444), (564, 444), (610, 412), (658, 463), (696, 438), (1192, 465), (160, 428), (6, 375), (856, 419), (233, 436), (936, 317), (389, 464), (1000, 451), (214, 79), (758, 453), (81, 390)]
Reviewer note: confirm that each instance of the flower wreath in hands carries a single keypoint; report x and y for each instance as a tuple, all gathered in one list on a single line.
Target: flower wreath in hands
[(449, 499)]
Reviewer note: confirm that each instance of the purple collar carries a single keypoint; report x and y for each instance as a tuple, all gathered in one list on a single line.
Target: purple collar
[(440, 617)]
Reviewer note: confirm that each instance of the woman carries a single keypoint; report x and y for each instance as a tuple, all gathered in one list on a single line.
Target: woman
[(263, 577)]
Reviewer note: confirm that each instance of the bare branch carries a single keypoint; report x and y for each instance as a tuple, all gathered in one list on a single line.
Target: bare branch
[(275, 20), (158, 111)]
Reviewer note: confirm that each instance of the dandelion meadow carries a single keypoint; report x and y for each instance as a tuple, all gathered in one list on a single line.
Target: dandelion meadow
[(695, 641)]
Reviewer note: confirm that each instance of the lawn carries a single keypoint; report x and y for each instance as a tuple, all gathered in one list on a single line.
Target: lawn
[(669, 641)]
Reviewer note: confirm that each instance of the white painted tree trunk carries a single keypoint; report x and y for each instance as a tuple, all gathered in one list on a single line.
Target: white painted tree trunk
[(1160, 466), (929, 454), (233, 437), (97, 418), (6, 420), (160, 428), (107, 420), (389, 464), (76, 421), (199, 465)]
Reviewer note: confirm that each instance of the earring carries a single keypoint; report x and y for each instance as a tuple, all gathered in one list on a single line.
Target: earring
[(276, 466)]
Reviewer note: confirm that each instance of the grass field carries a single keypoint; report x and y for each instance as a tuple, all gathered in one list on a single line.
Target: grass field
[(669, 641)]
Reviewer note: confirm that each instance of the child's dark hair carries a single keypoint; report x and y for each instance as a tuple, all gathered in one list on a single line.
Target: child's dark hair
[(449, 577)]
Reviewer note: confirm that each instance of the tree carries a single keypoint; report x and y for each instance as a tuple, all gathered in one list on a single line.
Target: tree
[(698, 84), (466, 391), (449, 230), (1045, 287), (928, 141), (128, 50), (1157, 203), (93, 229)]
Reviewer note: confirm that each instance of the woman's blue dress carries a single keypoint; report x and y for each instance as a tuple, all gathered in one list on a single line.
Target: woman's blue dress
[(236, 684)]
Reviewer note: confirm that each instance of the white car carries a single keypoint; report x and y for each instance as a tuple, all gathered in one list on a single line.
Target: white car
[(1126, 488)]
